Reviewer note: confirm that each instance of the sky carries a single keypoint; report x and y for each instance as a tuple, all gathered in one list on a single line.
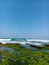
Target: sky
[(24, 19)]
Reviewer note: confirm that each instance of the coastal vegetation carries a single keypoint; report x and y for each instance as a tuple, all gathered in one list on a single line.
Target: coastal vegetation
[(15, 54)]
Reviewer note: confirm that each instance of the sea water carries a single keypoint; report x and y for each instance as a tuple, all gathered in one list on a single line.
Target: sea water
[(24, 40)]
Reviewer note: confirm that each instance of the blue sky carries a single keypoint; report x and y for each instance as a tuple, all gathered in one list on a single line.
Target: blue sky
[(24, 18)]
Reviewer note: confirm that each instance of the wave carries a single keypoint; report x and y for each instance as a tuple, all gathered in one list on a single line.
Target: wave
[(5, 40), (24, 41), (37, 40)]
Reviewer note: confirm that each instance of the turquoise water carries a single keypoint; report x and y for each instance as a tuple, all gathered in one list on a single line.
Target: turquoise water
[(18, 39)]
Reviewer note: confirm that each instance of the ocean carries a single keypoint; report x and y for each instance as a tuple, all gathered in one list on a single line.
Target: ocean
[(24, 41)]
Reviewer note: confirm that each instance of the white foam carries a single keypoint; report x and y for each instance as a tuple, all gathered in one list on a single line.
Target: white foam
[(4, 40), (37, 40), (36, 44)]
